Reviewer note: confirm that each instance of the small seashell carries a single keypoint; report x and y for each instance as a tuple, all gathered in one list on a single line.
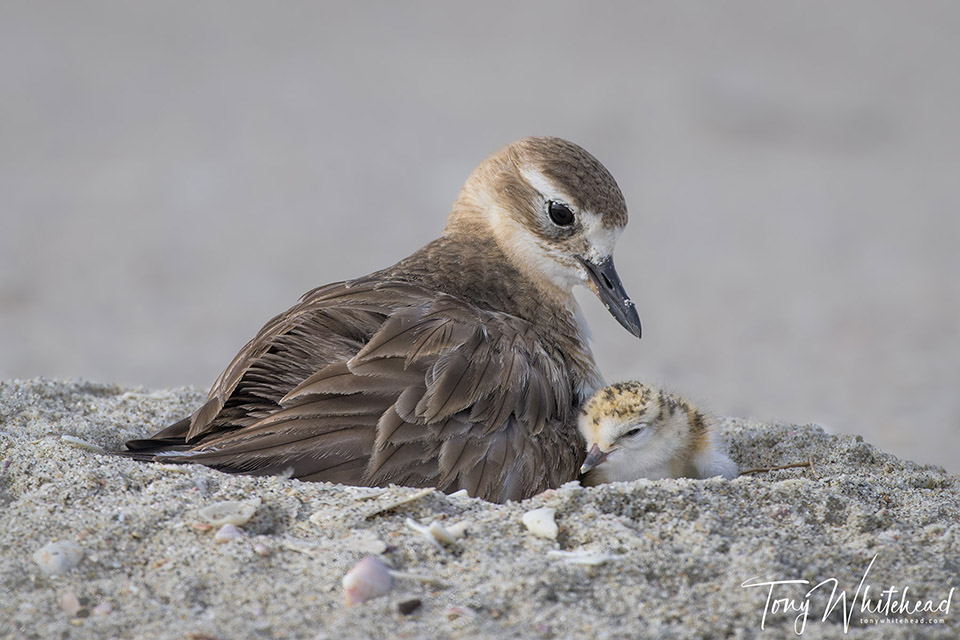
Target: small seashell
[(57, 558), (459, 495), (261, 549), (70, 603), (540, 522), (226, 533), (438, 535), (103, 609), (235, 512), (584, 556), (368, 579)]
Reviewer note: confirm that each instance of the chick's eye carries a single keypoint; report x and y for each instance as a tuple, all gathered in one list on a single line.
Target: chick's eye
[(631, 432), (560, 213)]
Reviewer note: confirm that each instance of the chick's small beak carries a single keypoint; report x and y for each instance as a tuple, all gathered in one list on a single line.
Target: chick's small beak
[(594, 457), (606, 284)]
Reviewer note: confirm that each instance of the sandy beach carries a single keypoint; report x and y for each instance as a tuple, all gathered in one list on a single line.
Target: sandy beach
[(174, 179), (173, 176), (669, 557)]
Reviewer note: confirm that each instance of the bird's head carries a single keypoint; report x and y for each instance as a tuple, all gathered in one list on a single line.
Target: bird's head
[(556, 213), (628, 424)]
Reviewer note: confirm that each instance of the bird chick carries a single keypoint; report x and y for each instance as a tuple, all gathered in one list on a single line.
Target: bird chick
[(636, 431)]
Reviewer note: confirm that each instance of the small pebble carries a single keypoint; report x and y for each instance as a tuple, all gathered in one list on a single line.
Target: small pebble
[(261, 625), (261, 549), (226, 533), (57, 558), (540, 522), (70, 603), (409, 606), (103, 609)]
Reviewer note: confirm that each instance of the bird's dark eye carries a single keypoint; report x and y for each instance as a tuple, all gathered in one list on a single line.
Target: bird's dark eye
[(560, 213), (632, 432)]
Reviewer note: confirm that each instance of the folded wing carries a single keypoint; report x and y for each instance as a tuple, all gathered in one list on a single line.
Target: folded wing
[(375, 383)]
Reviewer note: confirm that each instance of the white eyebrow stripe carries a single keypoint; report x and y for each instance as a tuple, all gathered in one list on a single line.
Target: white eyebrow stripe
[(544, 185)]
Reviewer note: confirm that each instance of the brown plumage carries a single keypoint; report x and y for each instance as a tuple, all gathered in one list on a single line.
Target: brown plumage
[(460, 367)]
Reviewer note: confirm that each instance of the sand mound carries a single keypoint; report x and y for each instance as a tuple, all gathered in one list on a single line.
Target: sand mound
[(137, 554)]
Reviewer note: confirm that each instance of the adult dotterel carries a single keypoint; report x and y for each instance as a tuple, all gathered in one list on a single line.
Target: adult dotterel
[(636, 431), (462, 366)]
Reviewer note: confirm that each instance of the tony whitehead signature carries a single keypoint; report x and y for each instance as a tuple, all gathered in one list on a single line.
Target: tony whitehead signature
[(892, 602)]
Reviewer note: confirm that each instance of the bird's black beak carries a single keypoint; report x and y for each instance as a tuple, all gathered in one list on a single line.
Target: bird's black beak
[(594, 458), (606, 284)]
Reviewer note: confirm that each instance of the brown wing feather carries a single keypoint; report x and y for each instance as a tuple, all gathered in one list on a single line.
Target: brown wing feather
[(377, 383)]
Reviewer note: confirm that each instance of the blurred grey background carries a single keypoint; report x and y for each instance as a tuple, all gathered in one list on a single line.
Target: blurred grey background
[(173, 174)]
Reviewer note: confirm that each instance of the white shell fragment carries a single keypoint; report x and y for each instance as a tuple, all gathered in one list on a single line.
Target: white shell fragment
[(540, 522), (456, 531), (368, 579), (366, 542), (437, 534), (80, 443), (584, 556), (57, 558), (235, 512), (226, 533)]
